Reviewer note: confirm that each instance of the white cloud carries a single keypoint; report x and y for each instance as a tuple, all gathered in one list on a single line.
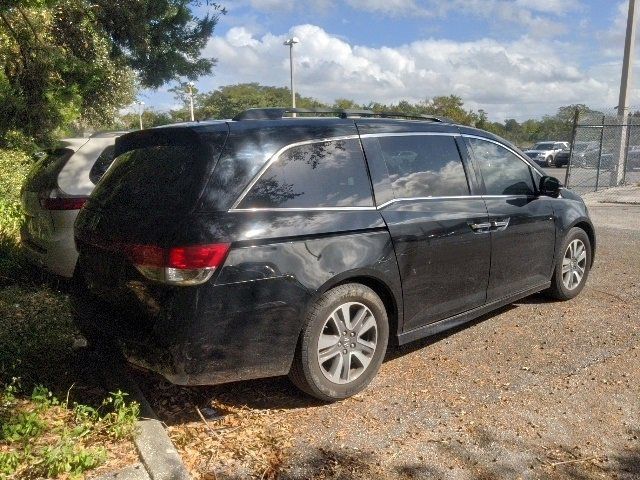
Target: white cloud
[(390, 7), (533, 14), (517, 79)]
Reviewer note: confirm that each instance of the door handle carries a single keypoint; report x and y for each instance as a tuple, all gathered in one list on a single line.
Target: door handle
[(500, 224), (480, 227)]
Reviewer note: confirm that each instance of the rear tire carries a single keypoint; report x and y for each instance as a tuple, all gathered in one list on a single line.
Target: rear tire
[(572, 266), (342, 344)]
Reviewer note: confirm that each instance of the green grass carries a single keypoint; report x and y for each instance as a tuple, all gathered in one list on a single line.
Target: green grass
[(39, 435), (36, 328), (42, 437)]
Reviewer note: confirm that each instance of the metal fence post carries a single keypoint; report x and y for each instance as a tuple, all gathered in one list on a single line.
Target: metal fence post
[(573, 141), (626, 149), (604, 118)]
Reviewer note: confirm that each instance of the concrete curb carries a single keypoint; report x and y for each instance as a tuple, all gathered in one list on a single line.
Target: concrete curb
[(623, 195), (155, 449), (157, 453)]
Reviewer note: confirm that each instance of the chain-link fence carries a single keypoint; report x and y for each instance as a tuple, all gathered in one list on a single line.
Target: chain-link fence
[(605, 152)]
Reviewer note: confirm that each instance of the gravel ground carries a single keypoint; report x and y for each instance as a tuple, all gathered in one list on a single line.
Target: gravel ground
[(538, 389)]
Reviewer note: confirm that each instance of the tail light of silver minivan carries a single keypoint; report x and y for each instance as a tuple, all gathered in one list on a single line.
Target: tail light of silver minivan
[(190, 265), (56, 200)]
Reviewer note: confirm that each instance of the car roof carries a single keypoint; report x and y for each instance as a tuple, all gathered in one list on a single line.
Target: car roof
[(109, 134), (72, 143)]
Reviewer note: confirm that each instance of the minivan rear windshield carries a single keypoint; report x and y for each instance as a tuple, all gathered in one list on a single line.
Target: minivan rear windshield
[(158, 171), (158, 179)]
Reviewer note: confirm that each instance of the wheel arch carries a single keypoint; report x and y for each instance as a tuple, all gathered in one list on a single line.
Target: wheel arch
[(390, 300), (590, 231)]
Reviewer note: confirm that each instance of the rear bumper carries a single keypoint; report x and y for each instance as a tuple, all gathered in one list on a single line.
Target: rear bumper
[(214, 334), (57, 256)]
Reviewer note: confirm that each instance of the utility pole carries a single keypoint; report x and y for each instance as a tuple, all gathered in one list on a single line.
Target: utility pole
[(625, 87), (190, 84), (290, 43)]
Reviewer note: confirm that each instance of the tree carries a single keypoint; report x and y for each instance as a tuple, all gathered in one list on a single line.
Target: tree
[(228, 101), (346, 104), (566, 113), (451, 107), (56, 69), (150, 118), (159, 39), (482, 121), (76, 62), (181, 92)]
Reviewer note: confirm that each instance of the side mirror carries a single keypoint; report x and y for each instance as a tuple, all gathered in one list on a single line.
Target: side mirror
[(550, 186)]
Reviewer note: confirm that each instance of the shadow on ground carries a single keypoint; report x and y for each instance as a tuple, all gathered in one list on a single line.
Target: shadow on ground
[(447, 457), (268, 393)]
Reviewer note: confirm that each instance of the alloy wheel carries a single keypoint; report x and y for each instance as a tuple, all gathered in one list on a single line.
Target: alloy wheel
[(574, 264), (347, 343)]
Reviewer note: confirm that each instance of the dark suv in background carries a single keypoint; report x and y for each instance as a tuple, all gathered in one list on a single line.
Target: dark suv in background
[(227, 250)]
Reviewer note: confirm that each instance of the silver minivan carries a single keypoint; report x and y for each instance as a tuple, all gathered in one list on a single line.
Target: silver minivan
[(55, 190)]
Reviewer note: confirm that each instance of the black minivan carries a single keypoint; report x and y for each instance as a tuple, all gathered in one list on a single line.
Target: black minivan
[(268, 245)]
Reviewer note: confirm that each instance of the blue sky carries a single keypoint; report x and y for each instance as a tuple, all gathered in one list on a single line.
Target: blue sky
[(513, 58)]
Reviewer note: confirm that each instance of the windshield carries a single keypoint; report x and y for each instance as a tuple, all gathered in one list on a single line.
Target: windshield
[(543, 146), (580, 147)]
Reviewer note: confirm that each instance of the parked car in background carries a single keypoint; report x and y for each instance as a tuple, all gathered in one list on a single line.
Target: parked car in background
[(226, 250), (544, 153), (584, 154), (633, 158), (590, 155), (56, 188)]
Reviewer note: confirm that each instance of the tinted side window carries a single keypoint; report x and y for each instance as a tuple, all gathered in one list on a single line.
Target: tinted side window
[(424, 166), (503, 172), (102, 163), (325, 174)]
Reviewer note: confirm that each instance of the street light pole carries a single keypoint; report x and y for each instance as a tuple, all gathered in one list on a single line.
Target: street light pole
[(140, 110), (190, 84), (625, 87), (290, 43)]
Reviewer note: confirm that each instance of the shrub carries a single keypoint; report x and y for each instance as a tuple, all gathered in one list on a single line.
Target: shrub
[(14, 166)]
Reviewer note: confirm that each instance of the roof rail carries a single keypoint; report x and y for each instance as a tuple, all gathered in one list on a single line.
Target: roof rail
[(279, 112)]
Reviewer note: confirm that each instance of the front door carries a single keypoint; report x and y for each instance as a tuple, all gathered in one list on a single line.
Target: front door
[(522, 222), (438, 228)]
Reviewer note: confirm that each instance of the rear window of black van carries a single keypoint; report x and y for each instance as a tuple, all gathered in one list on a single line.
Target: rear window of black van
[(159, 171), (152, 179)]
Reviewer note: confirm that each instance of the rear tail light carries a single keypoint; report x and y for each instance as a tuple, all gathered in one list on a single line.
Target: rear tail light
[(55, 201), (190, 265)]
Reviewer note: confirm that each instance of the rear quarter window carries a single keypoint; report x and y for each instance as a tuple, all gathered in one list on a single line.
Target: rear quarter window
[(44, 173), (103, 162), (314, 175)]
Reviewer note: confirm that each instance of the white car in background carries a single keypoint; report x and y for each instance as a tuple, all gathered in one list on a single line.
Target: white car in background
[(55, 190), (544, 153)]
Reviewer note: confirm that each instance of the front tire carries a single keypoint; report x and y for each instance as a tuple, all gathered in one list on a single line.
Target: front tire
[(572, 267), (342, 344), (549, 161)]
